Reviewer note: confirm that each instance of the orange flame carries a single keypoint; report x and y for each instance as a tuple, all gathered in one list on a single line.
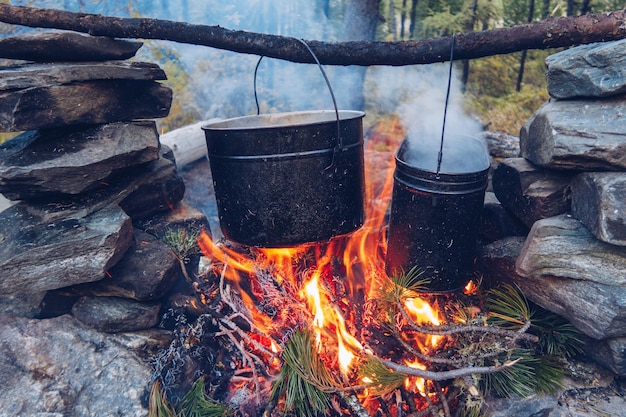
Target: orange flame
[(362, 254)]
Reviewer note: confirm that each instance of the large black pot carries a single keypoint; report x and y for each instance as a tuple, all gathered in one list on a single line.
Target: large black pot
[(434, 219), (286, 179)]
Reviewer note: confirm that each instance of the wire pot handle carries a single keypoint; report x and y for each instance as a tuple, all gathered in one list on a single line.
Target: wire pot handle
[(332, 94)]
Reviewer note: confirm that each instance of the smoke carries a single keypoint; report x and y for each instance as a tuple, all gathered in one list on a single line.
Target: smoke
[(418, 95), (221, 83)]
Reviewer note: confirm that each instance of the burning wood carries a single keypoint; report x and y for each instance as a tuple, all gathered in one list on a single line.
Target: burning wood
[(321, 329)]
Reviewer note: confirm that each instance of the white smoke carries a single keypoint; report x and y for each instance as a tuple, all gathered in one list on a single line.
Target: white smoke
[(418, 95)]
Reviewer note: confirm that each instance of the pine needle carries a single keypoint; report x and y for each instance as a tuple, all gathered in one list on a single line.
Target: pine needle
[(507, 307), (303, 382), (197, 404), (383, 380), (158, 405)]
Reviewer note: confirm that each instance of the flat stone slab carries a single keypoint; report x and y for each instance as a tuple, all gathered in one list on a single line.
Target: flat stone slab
[(39, 163), (45, 75), (147, 271), (530, 192), (45, 247), (565, 269), (584, 135), (60, 46), (86, 102), (598, 201), (594, 70), (158, 187), (112, 314)]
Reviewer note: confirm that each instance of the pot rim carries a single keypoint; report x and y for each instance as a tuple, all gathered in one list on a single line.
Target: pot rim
[(282, 120)]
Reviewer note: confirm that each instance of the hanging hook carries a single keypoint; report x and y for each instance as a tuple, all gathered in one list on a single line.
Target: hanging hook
[(445, 109)]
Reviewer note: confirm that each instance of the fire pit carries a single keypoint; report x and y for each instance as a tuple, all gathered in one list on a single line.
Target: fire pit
[(322, 330)]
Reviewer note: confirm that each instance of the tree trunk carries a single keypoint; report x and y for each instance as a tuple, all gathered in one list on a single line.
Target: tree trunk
[(468, 28), (413, 17), (359, 24), (551, 33), (522, 61), (403, 20)]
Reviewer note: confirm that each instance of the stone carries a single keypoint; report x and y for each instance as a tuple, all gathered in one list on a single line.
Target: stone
[(113, 314), (158, 187), (64, 46), (498, 222), (530, 192), (598, 200), (147, 271), (22, 305), (593, 70), (584, 135), (563, 268), (610, 353), (501, 145), (59, 367), (44, 75), (182, 216), (71, 160), (562, 247), (47, 246), (496, 260), (86, 102)]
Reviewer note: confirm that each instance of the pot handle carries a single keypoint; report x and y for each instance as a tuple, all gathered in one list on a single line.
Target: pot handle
[(332, 95)]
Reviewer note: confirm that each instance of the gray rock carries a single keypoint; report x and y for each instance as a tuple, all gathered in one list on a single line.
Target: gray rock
[(86, 102), (45, 247), (594, 70), (501, 145), (496, 260), (562, 247), (535, 405), (598, 200), (585, 135), (564, 269), (113, 314), (530, 192), (51, 46), (147, 271), (498, 222), (610, 353), (46, 162), (45, 75), (22, 305), (158, 187), (58, 367)]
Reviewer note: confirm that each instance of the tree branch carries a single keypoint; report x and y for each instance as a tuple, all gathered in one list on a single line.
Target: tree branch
[(445, 375), (550, 33)]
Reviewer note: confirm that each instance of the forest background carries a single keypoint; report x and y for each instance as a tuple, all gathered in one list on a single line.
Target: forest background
[(500, 92)]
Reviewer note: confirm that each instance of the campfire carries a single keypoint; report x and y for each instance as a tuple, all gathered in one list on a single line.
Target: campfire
[(321, 329)]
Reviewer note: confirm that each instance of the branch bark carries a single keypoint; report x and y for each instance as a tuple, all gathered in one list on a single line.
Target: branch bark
[(550, 33)]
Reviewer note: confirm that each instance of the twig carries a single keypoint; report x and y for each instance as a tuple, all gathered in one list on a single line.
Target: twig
[(442, 399), (444, 329), (353, 403), (445, 375)]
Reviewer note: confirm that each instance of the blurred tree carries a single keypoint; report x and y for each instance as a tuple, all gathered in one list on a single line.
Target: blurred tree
[(359, 24)]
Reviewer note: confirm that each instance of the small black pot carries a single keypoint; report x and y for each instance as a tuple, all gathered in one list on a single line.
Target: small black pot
[(434, 222), (286, 179)]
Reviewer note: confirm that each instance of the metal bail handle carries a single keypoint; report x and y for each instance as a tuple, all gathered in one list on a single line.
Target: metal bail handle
[(445, 109), (332, 95)]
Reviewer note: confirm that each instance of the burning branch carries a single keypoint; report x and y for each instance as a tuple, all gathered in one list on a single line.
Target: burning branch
[(445, 375), (551, 33)]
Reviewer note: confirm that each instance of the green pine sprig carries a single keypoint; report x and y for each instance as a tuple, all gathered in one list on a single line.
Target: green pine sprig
[(303, 382)]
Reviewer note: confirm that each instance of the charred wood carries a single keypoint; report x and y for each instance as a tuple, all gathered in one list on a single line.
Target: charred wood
[(550, 33)]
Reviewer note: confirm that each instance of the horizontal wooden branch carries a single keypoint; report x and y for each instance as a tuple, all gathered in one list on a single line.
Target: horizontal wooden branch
[(551, 33)]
